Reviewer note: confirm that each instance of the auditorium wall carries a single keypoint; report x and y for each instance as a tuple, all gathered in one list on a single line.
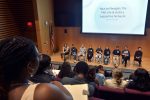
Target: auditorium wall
[(72, 35)]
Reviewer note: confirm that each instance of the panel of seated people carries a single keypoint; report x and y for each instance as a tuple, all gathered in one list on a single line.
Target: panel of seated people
[(106, 57)]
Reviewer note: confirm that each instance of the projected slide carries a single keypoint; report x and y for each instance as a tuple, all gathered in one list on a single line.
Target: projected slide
[(114, 16)]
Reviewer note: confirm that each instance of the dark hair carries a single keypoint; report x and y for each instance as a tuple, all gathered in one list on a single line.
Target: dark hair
[(141, 79), (44, 63), (65, 70), (15, 54), (99, 67), (117, 74), (91, 75), (108, 73), (81, 68)]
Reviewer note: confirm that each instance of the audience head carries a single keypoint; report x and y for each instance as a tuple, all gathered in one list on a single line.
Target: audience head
[(18, 60), (81, 68), (65, 70), (141, 76), (108, 73), (45, 63), (117, 75), (100, 69), (91, 74)]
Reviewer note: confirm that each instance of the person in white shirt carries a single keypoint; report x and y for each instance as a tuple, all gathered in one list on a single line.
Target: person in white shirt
[(82, 52)]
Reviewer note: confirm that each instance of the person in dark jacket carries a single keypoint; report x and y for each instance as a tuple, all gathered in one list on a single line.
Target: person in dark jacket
[(138, 55), (116, 56), (107, 55), (74, 52), (125, 55), (44, 74), (90, 53)]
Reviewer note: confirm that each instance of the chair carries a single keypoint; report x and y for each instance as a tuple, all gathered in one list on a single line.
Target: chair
[(139, 95)]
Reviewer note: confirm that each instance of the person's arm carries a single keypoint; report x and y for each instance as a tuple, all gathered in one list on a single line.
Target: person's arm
[(53, 91)]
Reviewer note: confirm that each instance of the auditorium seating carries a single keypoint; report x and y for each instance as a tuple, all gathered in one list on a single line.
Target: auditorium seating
[(108, 93)]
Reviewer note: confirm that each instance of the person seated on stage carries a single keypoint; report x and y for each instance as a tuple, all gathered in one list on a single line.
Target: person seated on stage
[(116, 81), (107, 55), (44, 73), (99, 55), (125, 55), (116, 56), (90, 53), (82, 52), (140, 80), (74, 52), (66, 51), (138, 55)]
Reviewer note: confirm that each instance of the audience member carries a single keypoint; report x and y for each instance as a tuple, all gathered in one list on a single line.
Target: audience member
[(91, 77), (140, 80), (100, 74), (65, 71), (44, 73), (138, 55), (116, 81), (81, 71), (108, 74), (19, 60)]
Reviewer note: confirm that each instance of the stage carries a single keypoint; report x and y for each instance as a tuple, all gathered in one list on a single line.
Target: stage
[(56, 60)]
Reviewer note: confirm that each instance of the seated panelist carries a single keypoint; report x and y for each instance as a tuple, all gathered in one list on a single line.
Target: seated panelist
[(90, 53), (107, 55), (116, 56), (138, 55), (99, 55), (66, 51), (74, 52), (82, 52), (125, 55)]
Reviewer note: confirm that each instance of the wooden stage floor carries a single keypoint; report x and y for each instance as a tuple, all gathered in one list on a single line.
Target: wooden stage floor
[(145, 63)]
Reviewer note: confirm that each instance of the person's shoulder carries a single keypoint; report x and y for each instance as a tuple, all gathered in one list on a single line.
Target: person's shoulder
[(45, 91), (66, 80)]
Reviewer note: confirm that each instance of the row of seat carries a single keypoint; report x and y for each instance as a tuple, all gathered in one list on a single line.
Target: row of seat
[(108, 93)]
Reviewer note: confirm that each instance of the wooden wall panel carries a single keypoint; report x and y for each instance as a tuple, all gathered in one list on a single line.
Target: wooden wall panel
[(14, 15), (74, 36), (8, 26)]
